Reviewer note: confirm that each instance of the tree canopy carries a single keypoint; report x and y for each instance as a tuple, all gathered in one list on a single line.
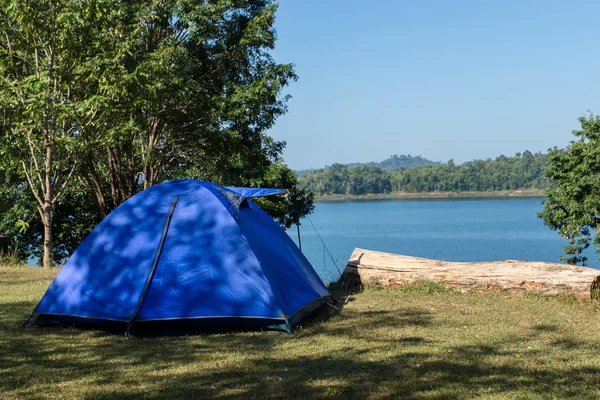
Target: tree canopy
[(522, 171), (572, 206), (104, 98)]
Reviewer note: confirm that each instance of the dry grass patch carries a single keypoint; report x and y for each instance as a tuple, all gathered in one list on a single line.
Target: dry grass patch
[(422, 342)]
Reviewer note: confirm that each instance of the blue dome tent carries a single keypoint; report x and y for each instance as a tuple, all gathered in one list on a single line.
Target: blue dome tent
[(185, 253)]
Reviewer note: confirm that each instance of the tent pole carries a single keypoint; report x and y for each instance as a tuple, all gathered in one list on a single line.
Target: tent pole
[(161, 243), (287, 323), (24, 324), (299, 240)]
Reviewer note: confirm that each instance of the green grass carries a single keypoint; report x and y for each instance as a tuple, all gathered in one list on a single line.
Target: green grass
[(421, 342)]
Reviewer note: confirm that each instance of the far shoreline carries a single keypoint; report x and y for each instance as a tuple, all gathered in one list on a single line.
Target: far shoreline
[(523, 193)]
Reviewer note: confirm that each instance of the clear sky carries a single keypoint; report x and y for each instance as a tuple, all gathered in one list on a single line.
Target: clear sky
[(461, 79)]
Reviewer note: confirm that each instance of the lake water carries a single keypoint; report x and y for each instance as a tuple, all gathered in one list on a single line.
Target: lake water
[(444, 229)]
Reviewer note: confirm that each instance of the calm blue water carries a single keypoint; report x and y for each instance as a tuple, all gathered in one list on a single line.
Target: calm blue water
[(444, 229)]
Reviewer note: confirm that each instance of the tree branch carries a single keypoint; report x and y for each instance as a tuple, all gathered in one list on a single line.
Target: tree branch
[(30, 181), (63, 185), (37, 167), (8, 43)]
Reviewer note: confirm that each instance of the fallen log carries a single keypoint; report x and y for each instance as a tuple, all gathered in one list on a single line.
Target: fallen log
[(391, 270)]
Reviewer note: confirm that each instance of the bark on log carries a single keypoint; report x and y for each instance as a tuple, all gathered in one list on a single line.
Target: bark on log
[(390, 270)]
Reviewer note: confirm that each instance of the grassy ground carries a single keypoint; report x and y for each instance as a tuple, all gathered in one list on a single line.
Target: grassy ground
[(423, 342)]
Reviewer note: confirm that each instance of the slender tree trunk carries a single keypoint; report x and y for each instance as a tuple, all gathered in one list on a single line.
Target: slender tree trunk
[(122, 175), (48, 211), (112, 178), (91, 179), (48, 242), (151, 167), (95, 190), (45, 200), (48, 208)]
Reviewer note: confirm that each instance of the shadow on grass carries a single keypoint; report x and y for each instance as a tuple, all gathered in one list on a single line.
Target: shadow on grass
[(410, 376), (567, 344), (545, 328), (12, 315), (311, 364)]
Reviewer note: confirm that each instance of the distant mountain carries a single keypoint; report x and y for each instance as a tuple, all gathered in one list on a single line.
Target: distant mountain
[(399, 162), (390, 164)]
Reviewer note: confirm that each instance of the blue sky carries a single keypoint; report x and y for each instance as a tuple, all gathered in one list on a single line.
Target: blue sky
[(461, 79)]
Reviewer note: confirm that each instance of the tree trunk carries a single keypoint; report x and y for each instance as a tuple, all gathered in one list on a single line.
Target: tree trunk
[(392, 270), (48, 209), (91, 180), (48, 242), (94, 188), (47, 216), (149, 162)]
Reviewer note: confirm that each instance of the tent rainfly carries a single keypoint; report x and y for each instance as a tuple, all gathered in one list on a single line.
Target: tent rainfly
[(185, 254)]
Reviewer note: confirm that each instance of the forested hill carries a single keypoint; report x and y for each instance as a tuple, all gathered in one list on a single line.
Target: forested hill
[(522, 171), (398, 162), (390, 164)]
